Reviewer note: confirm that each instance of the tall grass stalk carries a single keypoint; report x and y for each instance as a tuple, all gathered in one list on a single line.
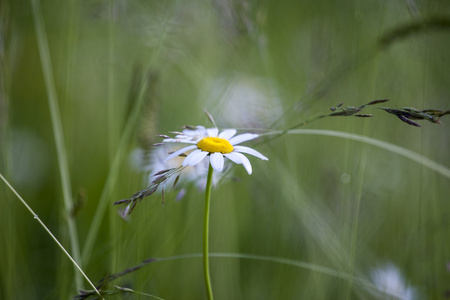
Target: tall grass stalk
[(355, 226), (36, 217), (120, 153), (113, 122), (113, 175), (360, 190), (312, 215), (114, 171), (57, 131), (114, 119), (10, 268)]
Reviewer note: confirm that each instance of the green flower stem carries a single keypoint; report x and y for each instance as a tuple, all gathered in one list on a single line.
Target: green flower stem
[(206, 234)]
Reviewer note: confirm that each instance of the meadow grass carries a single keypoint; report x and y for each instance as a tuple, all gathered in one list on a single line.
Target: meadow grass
[(84, 84)]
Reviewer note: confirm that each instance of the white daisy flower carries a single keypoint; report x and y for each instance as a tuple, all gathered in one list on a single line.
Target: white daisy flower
[(209, 142)]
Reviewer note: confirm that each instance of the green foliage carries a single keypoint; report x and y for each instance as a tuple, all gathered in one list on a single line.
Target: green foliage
[(86, 83)]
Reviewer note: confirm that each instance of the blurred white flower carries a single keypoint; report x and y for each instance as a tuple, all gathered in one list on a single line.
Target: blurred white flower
[(192, 174), (153, 162), (388, 279), (242, 101)]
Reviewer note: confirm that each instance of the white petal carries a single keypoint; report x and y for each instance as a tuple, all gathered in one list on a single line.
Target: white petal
[(194, 157), (195, 134), (240, 159), (242, 138), (234, 157), (227, 134), (171, 140), (247, 165), (178, 152), (186, 140), (216, 160), (212, 132), (250, 151), (198, 130)]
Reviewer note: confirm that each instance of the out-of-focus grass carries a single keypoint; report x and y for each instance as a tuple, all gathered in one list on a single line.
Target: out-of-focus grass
[(340, 204)]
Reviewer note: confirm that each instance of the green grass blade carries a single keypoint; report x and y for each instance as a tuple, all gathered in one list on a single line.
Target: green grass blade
[(426, 162), (285, 261), (120, 153), (57, 131), (36, 217)]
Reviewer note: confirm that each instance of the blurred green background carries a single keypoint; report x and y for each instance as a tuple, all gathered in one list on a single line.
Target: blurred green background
[(105, 77)]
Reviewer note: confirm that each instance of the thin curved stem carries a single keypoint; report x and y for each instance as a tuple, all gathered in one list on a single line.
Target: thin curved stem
[(36, 217), (424, 161), (209, 292)]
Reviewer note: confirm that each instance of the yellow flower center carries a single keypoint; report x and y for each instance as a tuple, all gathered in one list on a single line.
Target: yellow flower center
[(215, 144)]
